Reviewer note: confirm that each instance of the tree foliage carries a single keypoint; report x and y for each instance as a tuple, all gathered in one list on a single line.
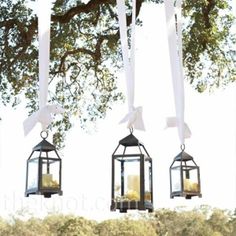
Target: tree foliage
[(125, 226), (85, 54), (163, 222), (209, 44)]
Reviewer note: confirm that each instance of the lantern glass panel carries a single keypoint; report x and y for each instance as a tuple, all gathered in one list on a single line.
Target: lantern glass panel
[(176, 179), (32, 173), (148, 180), (127, 179), (117, 190), (50, 173), (190, 178)]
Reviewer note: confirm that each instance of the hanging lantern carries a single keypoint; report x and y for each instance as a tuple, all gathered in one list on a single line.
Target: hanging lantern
[(43, 174), (184, 176), (131, 176)]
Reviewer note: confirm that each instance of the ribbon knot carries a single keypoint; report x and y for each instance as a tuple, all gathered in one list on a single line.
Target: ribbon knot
[(43, 116), (134, 119), (175, 122)]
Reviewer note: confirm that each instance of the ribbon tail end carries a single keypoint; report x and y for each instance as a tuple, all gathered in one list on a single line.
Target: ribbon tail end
[(171, 122), (187, 131), (29, 123)]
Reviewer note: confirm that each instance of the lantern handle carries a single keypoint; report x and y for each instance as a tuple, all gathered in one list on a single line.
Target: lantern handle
[(131, 129), (44, 134), (182, 147)]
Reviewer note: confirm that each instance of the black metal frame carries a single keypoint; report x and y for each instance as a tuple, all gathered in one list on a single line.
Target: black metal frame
[(124, 205), (43, 147), (183, 158)]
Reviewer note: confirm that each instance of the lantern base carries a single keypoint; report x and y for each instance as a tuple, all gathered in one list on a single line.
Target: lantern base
[(45, 192), (131, 205), (187, 195)]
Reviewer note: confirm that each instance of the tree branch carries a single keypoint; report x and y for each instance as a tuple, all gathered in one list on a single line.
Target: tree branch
[(25, 32), (82, 8), (86, 8), (206, 12)]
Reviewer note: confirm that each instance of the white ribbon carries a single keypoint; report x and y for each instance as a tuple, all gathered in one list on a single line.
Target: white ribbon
[(174, 122), (134, 119), (134, 116), (176, 61), (44, 22), (43, 115)]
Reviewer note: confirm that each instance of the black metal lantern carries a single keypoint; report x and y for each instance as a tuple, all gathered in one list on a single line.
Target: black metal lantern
[(184, 176), (43, 174), (132, 186)]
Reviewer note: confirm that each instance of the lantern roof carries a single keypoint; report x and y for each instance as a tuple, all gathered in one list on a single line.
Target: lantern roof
[(183, 156), (130, 140), (44, 146)]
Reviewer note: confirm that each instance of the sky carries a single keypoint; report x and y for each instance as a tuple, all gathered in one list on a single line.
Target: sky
[(86, 158)]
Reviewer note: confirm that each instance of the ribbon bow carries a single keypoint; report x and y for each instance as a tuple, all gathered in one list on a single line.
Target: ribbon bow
[(134, 119), (174, 122), (43, 115)]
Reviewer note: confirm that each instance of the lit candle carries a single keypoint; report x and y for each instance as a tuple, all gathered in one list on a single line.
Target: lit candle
[(133, 184), (195, 187), (46, 180), (187, 185), (190, 186)]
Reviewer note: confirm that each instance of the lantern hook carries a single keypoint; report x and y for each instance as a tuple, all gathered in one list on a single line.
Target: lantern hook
[(131, 129), (44, 134), (182, 147)]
